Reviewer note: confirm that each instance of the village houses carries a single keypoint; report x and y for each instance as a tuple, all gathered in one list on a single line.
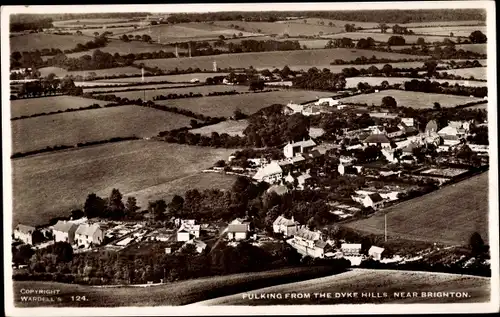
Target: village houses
[(270, 173), (369, 200), (351, 249), (284, 226), (64, 231), (24, 233), (375, 252), (292, 149), (309, 243), (88, 235), (188, 231)]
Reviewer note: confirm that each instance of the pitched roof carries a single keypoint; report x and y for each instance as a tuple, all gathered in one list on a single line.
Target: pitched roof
[(65, 226), (237, 228), (278, 189), (25, 228), (308, 234), (376, 249), (88, 230), (282, 221), (270, 169), (350, 246), (375, 197), (320, 244), (431, 125), (449, 130), (377, 138)]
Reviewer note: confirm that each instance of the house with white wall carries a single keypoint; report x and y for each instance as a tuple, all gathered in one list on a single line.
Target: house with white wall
[(89, 235), (292, 149), (270, 173), (64, 231), (284, 226)]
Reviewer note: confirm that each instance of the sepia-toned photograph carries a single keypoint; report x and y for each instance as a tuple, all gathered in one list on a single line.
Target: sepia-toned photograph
[(250, 158)]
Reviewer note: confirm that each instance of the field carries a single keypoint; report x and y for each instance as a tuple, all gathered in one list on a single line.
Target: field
[(412, 99), (171, 294), (379, 37), (247, 103), (336, 23), (292, 29), (116, 87), (60, 72), (171, 78), (476, 48), (49, 185), (353, 81), (261, 60), (150, 94), (230, 127), (370, 281), (188, 32), (456, 30), (476, 72), (40, 41), (29, 106), (449, 215), (123, 48), (91, 125), (93, 22)]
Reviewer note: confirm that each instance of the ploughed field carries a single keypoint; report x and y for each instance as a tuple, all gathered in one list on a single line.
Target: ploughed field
[(449, 215), (272, 60), (71, 128), (170, 294), (369, 282), (30, 106), (34, 41), (50, 185), (224, 106), (412, 99), (150, 94)]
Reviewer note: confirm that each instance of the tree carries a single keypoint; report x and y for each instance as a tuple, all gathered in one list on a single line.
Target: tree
[(124, 38), (257, 85), (383, 27), (389, 102), (63, 251), (476, 244), (420, 41), (146, 38), (116, 208), (22, 254), (94, 206), (431, 67), (131, 206), (96, 34), (175, 206), (77, 214), (396, 40), (157, 208), (477, 37), (437, 106)]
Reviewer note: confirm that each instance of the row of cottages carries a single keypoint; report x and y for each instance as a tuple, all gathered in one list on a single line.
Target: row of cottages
[(292, 149), (454, 132), (284, 226), (238, 229), (308, 242), (24, 233), (301, 179), (82, 234), (373, 200)]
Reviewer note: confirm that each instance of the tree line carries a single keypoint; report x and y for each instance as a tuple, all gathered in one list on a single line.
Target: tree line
[(49, 85)]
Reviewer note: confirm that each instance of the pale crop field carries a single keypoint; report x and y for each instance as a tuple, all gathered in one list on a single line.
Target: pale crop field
[(124, 48), (180, 78), (49, 185), (248, 103), (230, 127), (290, 28), (476, 48), (476, 72), (272, 60), (352, 82), (91, 125), (369, 281), (449, 215), (117, 89), (60, 72), (456, 30), (150, 94), (40, 41), (414, 99), (29, 106), (336, 23), (379, 37)]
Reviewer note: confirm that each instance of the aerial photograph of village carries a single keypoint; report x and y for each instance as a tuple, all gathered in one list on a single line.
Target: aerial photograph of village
[(249, 158)]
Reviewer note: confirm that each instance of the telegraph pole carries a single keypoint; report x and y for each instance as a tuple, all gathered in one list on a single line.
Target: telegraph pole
[(385, 226)]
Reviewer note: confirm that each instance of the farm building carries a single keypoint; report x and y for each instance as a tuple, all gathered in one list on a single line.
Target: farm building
[(188, 231), (380, 140), (284, 226), (304, 146), (375, 252), (271, 173), (87, 235), (327, 101), (64, 231), (302, 178), (238, 231), (410, 122), (309, 243), (451, 135), (24, 233), (373, 200)]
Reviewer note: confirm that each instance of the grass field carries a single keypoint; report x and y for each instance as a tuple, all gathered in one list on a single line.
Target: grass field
[(230, 127), (272, 60), (456, 30), (172, 78), (476, 72), (91, 125), (292, 29), (123, 48), (29, 106), (49, 185), (118, 88), (476, 48), (188, 31), (336, 23), (247, 103), (412, 99), (449, 215), (370, 281), (384, 37), (60, 72), (171, 294), (150, 94), (40, 41), (93, 22), (353, 81)]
